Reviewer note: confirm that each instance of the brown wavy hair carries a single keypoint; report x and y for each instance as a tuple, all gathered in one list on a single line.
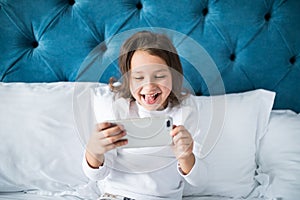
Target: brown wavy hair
[(157, 45)]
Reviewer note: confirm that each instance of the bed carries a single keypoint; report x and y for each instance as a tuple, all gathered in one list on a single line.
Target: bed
[(240, 59)]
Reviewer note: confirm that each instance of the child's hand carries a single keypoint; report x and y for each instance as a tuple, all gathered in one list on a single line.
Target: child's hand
[(183, 148), (183, 142), (106, 137)]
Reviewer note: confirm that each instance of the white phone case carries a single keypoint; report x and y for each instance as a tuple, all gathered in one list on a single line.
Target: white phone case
[(147, 132)]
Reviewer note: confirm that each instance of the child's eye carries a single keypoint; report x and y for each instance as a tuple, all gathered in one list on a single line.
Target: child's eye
[(138, 78), (160, 76)]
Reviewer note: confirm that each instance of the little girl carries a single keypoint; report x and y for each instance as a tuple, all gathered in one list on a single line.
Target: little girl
[(151, 86)]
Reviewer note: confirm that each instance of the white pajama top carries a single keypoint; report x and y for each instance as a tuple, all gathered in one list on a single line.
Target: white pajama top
[(149, 173)]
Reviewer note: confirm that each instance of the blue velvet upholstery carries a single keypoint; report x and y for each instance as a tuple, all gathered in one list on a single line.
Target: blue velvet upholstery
[(254, 43)]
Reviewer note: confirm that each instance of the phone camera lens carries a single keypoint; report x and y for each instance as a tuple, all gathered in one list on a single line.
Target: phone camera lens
[(168, 123)]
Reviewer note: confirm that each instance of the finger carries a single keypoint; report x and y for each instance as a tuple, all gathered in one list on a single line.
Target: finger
[(114, 138), (121, 142), (116, 144), (104, 125), (177, 137), (183, 146), (177, 129), (114, 130), (183, 141), (180, 128), (181, 135)]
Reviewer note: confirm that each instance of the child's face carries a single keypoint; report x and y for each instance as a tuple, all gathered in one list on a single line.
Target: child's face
[(150, 80)]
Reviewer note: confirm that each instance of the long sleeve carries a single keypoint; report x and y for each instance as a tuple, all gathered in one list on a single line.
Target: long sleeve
[(198, 174), (101, 172), (189, 117)]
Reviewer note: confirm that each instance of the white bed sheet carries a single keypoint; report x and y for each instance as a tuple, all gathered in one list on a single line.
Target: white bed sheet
[(23, 196)]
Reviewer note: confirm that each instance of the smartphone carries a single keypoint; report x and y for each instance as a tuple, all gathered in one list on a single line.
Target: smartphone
[(147, 132)]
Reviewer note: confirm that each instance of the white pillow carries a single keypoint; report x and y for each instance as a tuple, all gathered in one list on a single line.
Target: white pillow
[(241, 119), (279, 155), (41, 131)]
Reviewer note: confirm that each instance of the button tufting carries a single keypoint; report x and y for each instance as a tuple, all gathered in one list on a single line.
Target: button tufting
[(205, 11), (267, 16), (103, 47), (71, 2), (293, 60), (139, 5), (232, 57), (35, 44)]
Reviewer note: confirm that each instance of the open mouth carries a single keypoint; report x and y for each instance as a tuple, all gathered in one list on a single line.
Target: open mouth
[(150, 98)]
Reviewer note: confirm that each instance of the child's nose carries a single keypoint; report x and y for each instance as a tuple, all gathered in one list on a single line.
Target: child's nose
[(149, 81), (149, 85)]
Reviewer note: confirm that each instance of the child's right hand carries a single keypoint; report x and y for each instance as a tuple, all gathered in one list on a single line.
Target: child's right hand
[(107, 136)]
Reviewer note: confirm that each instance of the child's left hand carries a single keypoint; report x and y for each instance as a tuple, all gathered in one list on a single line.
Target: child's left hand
[(183, 148), (183, 142)]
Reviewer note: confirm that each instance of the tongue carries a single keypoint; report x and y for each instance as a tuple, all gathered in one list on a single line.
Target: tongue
[(149, 99)]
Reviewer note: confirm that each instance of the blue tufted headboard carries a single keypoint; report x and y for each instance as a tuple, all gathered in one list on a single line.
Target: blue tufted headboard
[(253, 43)]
